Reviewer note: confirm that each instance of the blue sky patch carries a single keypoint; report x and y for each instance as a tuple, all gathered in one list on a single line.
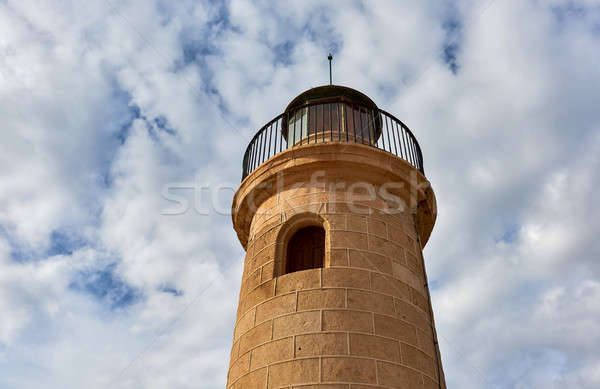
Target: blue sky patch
[(510, 234), (107, 287), (452, 26), (563, 13), (162, 124), (283, 53), (171, 290), (195, 50), (434, 284), (123, 132), (450, 57), (63, 243)]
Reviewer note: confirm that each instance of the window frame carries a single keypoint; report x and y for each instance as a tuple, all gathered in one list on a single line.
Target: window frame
[(287, 231), (306, 236)]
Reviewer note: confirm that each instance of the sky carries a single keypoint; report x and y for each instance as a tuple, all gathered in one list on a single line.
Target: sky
[(106, 106)]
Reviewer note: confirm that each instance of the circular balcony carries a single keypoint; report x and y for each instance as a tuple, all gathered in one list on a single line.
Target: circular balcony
[(332, 114)]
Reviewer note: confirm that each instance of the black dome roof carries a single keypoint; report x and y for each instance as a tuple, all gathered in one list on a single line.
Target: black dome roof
[(326, 92)]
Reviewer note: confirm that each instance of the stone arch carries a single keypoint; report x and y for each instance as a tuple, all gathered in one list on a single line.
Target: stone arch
[(289, 229)]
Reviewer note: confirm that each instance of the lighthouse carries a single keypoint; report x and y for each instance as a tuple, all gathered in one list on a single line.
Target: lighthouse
[(333, 211)]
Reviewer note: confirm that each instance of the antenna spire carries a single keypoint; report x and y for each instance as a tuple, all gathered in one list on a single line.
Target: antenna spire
[(330, 57)]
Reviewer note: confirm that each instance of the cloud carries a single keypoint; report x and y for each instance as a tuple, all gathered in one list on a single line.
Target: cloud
[(103, 105)]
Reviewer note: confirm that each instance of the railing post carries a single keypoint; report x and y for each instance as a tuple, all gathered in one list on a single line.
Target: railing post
[(404, 141), (345, 109), (339, 120), (394, 135), (294, 138), (382, 137), (264, 143)]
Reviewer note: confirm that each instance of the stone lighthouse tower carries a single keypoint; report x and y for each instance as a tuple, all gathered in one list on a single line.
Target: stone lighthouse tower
[(333, 211)]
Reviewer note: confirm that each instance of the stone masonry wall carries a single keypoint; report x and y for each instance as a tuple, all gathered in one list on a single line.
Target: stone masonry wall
[(363, 321)]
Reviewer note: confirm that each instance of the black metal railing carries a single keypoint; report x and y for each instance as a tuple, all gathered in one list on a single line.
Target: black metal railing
[(332, 121)]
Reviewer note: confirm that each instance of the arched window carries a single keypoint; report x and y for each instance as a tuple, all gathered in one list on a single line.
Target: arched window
[(305, 249)]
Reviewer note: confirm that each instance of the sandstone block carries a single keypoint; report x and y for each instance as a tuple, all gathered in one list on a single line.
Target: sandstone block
[(417, 359), (252, 281), (377, 227), (347, 369), (300, 280), (345, 277), (296, 323), (349, 239), (238, 368), (323, 343), (336, 221), (395, 328), (401, 272), (274, 351), (414, 264), (255, 380), (257, 335), (371, 261), (267, 271), (261, 257), (385, 283), (261, 293), (374, 347), (235, 352), (356, 223), (370, 301), (419, 300), (321, 298), (411, 314), (430, 383), (398, 236), (244, 324), (345, 320), (338, 257), (384, 247), (425, 342), (277, 306), (397, 376), (299, 371)]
